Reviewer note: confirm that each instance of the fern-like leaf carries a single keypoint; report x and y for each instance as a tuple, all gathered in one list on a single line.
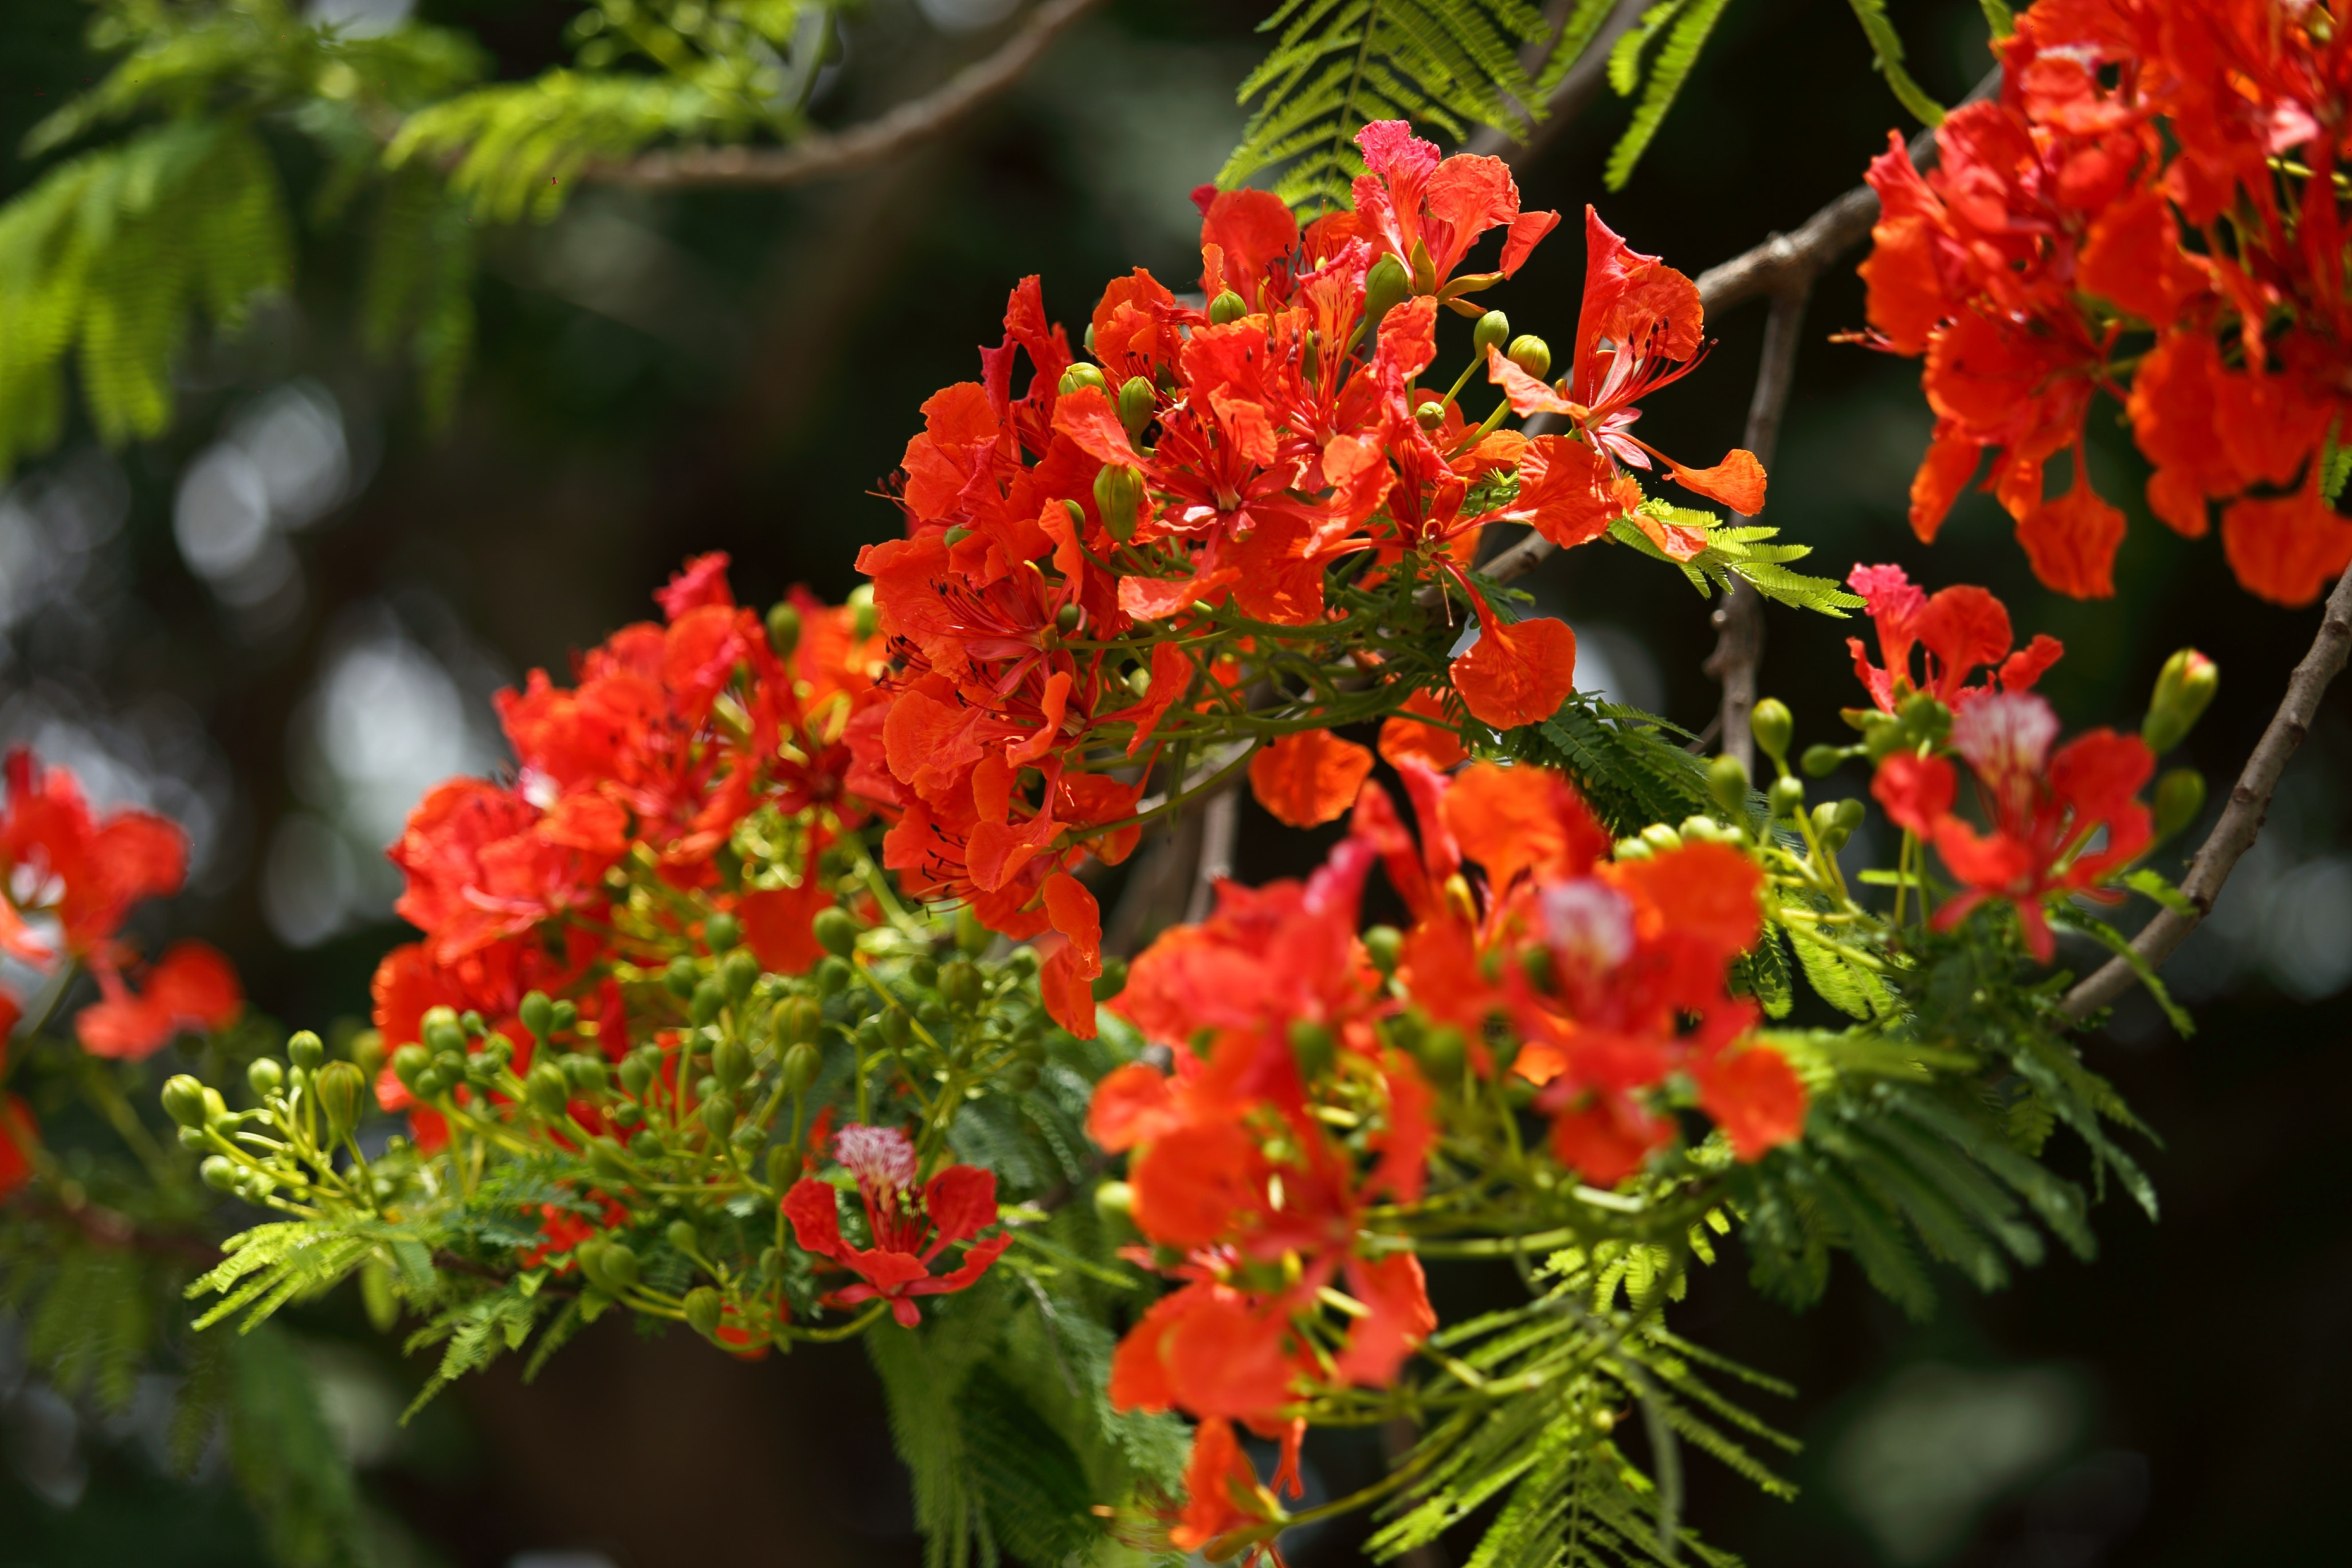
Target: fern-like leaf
[(1886, 55)]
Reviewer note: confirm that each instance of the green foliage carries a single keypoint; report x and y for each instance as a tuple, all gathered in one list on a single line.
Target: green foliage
[(1630, 765), (1886, 55), (1446, 64), (1739, 553), (105, 260), (417, 291), (1686, 25)]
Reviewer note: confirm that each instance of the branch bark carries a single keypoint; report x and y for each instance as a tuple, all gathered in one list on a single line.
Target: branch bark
[(886, 135), (1739, 619), (2241, 819)]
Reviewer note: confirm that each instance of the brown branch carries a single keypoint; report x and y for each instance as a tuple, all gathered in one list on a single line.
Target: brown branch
[(1220, 826), (886, 135), (2241, 819), (1739, 619)]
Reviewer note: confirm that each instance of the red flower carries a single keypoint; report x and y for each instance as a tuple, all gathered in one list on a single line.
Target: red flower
[(1222, 1493), (19, 1137), (1427, 213), (909, 1231), (1308, 778), (1961, 628), (58, 859), (192, 987), (2047, 810)]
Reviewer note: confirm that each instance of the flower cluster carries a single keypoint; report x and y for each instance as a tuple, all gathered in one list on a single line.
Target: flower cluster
[(69, 880), (1115, 567), (2153, 201)]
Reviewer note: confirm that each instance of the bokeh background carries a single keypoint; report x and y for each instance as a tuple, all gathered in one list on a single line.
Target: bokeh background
[(283, 622)]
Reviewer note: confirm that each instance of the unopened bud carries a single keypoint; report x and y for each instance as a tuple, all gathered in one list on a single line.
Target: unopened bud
[(1727, 781), (1530, 354), (681, 977), (2184, 689), (617, 1263), (721, 932), (2179, 801), (730, 1063), (1828, 828), (1386, 286), (1226, 307), (1430, 414), (783, 629), (708, 998), (1787, 796), (800, 1066), (799, 1020), (439, 1030), (1118, 493), (1115, 1200), (547, 1089), (636, 1077), (1772, 726), (704, 1308), (1384, 945), (265, 1076), (1443, 1051), (409, 1063), (306, 1050), (584, 1073), (1820, 761), (1662, 837), (1067, 619), (864, 619), (340, 1088), (739, 972), (836, 931), (1493, 331), (218, 1173), (1312, 1045), (1079, 375), (960, 984), (183, 1100), (718, 1114), (1136, 402), (537, 1013)]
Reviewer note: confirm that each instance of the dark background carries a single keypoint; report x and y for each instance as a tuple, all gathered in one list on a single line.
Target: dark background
[(667, 374)]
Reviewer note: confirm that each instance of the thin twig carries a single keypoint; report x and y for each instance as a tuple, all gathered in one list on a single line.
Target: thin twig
[(1739, 619), (886, 135), (1220, 824), (2241, 819)]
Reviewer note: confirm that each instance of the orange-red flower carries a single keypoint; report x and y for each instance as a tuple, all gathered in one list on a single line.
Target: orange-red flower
[(909, 1229), (1960, 629)]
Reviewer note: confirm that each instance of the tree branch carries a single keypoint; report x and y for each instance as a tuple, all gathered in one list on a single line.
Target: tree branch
[(1739, 619), (2241, 819), (839, 153)]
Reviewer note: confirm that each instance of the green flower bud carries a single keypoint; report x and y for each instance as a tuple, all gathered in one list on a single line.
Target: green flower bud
[(1384, 945), (265, 1078), (409, 1063), (306, 1050), (1312, 1044), (1079, 375), (646, 1145), (783, 629), (1531, 354), (708, 998), (2179, 801), (1430, 414), (617, 1263), (1115, 1200), (1629, 849), (1772, 726), (1111, 981), (783, 1168), (704, 1308), (1137, 400), (183, 1100), (721, 932), (538, 1013), (718, 1114), (1118, 493), (1820, 761), (439, 1030), (584, 1073), (832, 976), (896, 1029), (547, 1089), (739, 972), (1139, 681), (865, 620), (218, 1173), (800, 1066), (836, 929), (1827, 827), (681, 977), (473, 1022), (1787, 796), (1386, 286), (1493, 331), (1662, 837), (1850, 813), (799, 1020), (637, 1075), (1727, 781), (341, 1089), (190, 1138), (2184, 689), (1443, 1051), (367, 1053), (604, 1158), (1066, 618), (1227, 307), (923, 972), (730, 1064), (961, 984)]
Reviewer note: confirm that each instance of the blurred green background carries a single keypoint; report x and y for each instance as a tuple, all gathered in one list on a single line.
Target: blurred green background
[(283, 622)]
